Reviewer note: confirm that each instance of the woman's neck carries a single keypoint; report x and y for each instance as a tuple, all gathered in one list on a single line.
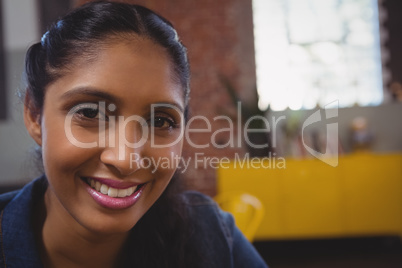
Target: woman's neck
[(66, 243)]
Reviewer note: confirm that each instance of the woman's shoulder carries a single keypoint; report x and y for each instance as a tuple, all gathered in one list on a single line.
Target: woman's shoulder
[(194, 198), (26, 193), (5, 198), (16, 229), (217, 233), (203, 208), (204, 211)]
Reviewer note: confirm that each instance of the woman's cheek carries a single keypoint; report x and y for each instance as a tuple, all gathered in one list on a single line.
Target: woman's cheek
[(62, 153), (166, 158)]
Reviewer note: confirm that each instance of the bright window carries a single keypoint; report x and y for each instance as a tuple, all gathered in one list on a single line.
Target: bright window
[(313, 52)]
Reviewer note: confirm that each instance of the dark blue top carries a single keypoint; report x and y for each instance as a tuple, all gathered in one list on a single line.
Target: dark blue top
[(220, 241)]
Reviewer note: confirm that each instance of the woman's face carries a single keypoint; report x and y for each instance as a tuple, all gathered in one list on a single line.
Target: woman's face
[(111, 136)]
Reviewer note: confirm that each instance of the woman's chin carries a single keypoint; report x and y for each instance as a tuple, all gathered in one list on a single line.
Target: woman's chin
[(109, 226)]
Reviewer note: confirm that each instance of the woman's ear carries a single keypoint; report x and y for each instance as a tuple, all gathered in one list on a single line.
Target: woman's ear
[(32, 120)]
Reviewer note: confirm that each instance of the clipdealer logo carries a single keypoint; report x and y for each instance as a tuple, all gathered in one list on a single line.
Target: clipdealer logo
[(330, 111), (116, 125)]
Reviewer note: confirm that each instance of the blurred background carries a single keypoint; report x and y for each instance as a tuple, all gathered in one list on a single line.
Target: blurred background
[(280, 59)]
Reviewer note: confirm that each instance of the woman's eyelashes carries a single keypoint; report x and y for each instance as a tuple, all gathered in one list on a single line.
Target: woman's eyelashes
[(90, 111), (162, 122), (94, 112)]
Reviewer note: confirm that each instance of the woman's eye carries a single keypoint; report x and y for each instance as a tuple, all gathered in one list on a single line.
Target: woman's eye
[(162, 122), (90, 111)]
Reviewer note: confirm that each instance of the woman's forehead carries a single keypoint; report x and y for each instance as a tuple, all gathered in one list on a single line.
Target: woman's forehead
[(141, 73)]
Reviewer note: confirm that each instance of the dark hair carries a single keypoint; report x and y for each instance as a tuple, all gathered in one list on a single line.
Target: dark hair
[(165, 230), (81, 33)]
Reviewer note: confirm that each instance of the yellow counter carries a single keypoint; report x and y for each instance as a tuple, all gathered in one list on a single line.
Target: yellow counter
[(362, 196)]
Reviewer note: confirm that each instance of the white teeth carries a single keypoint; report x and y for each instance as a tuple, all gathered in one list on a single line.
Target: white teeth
[(131, 190), (112, 192), (122, 193), (97, 186), (104, 189)]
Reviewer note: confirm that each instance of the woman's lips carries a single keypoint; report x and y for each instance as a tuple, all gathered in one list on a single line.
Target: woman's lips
[(111, 197), (114, 183)]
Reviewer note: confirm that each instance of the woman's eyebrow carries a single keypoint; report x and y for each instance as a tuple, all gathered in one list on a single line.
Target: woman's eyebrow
[(94, 92), (89, 91), (169, 105)]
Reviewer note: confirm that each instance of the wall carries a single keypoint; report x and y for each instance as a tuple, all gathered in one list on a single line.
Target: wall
[(393, 24), (20, 29)]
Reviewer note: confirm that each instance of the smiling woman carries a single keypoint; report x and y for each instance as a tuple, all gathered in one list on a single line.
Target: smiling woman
[(108, 82)]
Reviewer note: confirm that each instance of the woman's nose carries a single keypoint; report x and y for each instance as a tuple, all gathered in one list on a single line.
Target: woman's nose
[(125, 166), (125, 153)]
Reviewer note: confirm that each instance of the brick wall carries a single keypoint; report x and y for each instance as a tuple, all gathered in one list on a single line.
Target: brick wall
[(219, 38)]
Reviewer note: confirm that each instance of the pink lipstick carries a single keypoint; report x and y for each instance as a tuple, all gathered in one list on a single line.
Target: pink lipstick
[(113, 194)]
